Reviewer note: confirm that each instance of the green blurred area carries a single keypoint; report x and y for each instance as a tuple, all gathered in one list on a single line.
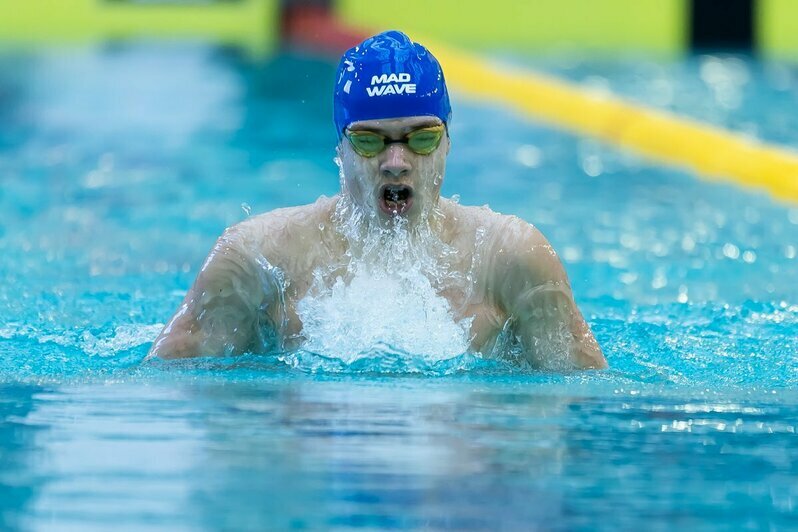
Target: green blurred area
[(606, 25), (777, 28), (251, 24), (648, 26), (652, 26)]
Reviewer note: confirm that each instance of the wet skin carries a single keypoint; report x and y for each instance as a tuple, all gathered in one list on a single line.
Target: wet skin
[(244, 298)]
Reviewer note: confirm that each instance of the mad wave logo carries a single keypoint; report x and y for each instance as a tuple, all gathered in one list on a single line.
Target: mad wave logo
[(391, 84)]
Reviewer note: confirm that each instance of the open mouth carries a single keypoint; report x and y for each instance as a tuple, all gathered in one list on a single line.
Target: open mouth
[(396, 199)]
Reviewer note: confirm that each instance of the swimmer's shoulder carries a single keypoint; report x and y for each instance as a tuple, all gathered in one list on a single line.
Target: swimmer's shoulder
[(287, 238), (285, 225), (508, 242), (504, 228)]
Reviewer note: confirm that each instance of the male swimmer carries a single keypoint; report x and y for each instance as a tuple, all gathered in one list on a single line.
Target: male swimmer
[(391, 111)]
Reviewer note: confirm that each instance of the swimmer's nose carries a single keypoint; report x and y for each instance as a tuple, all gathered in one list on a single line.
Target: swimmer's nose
[(395, 162)]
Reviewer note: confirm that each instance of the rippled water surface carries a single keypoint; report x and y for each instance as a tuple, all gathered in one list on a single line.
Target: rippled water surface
[(121, 165)]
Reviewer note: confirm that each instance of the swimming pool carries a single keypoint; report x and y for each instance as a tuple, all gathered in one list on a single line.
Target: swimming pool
[(120, 167)]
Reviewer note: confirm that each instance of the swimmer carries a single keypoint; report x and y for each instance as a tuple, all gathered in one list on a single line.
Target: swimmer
[(391, 113)]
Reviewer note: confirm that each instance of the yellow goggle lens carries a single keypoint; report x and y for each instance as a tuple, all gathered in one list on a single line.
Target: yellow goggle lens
[(366, 143), (421, 141), (425, 141)]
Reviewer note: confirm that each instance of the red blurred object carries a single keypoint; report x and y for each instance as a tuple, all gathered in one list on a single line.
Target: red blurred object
[(316, 28)]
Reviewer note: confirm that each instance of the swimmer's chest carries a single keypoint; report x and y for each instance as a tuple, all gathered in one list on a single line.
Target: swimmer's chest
[(487, 320)]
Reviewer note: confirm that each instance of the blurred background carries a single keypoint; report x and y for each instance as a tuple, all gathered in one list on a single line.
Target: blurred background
[(260, 26), (653, 143)]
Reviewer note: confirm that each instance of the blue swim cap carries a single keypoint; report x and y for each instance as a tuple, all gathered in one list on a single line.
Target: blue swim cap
[(389, 76)]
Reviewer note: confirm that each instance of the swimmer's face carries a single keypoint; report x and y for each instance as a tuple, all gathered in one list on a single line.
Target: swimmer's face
[(396, 182)]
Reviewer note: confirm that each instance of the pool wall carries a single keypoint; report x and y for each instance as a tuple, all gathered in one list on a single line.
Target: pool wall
[(667, 27), (549, 24), (662, 27), (250, 24)]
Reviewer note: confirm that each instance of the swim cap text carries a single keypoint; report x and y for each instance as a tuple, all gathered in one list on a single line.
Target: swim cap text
[(391, 84)]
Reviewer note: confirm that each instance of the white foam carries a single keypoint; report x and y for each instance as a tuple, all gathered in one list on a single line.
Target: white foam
[(403, 311), (124, 337), (390, 296), (104, 344)]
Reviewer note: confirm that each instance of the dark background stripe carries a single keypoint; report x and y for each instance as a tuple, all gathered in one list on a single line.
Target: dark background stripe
[(722, 25)]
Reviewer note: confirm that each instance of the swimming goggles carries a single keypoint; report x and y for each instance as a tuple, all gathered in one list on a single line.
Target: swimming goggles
[(421, 141)]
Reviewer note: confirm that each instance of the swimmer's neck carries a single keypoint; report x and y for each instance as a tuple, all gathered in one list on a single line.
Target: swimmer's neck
[(439, 220)]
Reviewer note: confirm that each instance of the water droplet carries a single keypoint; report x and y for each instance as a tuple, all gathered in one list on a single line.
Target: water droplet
[(659, 249), (682, 297), (529, 155), (630, 241), (731, 251), (592, 165), (598, 86), (628, 277), (659, 281), (572, 254)]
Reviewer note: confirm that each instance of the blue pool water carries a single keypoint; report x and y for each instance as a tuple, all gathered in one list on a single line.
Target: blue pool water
[(121, 165)]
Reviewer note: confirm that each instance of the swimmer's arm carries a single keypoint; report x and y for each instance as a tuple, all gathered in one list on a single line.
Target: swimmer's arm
[(532, 288), (219, 315)]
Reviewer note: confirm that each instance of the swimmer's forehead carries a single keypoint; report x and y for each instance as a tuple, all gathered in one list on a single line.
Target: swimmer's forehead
[(395, 125)]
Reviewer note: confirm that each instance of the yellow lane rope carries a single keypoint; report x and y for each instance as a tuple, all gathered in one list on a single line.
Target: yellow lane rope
[(710, 151)]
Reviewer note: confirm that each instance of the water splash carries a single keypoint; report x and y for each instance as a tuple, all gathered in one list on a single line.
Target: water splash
[(390, 294), (382, 359), (124, 337), (375, 307), (103, 343)]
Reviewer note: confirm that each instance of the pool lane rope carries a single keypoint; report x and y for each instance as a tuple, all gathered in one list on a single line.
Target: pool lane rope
[(712, 152)]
